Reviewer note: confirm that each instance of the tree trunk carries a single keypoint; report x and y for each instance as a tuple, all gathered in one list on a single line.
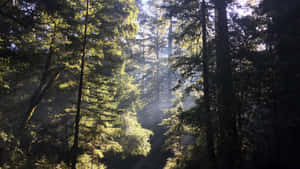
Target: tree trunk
[(45, 82), (209, 130), (74, 151), (225, 96)]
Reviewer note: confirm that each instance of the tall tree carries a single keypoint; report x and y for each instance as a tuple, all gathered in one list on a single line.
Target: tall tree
[(157, 40), (225, 95), (209, 130), (74, 151), (170, 45), (282, 36)]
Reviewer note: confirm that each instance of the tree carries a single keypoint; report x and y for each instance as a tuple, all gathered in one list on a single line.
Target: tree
[(77, 119), (282, 28), (110, 99), (225, 95), (206, 88)]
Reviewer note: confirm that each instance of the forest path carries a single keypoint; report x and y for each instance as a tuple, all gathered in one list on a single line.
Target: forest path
[(156, 159), (157, 156), (151, 118)]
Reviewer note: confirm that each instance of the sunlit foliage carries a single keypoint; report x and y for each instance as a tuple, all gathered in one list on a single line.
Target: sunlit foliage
[(41, 68)]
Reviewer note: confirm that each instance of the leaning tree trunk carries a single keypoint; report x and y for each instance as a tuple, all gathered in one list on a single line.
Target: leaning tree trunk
[(228, 144), (209, 130), (46, 81), (74, 152)]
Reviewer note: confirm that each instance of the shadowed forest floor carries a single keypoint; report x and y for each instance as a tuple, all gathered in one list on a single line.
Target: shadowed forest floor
[(157, 157)]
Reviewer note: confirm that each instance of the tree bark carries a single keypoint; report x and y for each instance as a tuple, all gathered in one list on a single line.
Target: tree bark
[(74, 151), (225, 96), (209, 129)]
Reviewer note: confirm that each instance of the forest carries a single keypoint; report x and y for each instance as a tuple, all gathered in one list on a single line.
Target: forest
[(149, 84)]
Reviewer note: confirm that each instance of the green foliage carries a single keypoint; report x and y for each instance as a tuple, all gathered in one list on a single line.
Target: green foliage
[(135, 139), (31, 55), (41, 43)]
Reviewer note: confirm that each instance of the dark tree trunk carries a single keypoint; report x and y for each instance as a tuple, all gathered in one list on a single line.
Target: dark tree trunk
[(228, 144), (209, 130), (74, 151)]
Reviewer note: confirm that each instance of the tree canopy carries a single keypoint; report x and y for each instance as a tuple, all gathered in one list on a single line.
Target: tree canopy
[(149, 84)]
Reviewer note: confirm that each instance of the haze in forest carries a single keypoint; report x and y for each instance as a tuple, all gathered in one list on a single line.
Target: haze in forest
[(149, 84)]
